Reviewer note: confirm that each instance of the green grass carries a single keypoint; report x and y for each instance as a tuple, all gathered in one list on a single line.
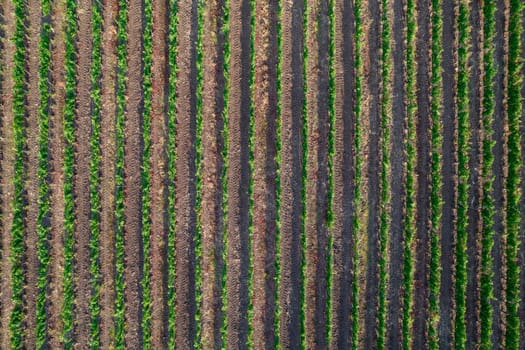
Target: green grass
[(172, 63), (69, 153), (95, 162), (460, 331), (410, 206), (147, 55), (487, 203), (435, 175), (512, 185), (42, 177), (386, 117), (17, 229), (119, 174)]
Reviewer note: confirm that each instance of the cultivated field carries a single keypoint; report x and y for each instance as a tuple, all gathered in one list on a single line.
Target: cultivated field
[(232, 174)]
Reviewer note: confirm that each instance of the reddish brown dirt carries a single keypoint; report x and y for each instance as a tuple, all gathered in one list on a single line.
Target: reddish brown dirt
[(107, 176), (343, 172), (422, 253), (31, 185), (7, 169), (474, 224), (449, 175), (81, 180), (264, 174), (185, 180), (159, 199), (238, 174), (374, 171), (133, 254), (291, 170), (212, 144), (317, 174), (499, 171), (398, 176), (56, 185)]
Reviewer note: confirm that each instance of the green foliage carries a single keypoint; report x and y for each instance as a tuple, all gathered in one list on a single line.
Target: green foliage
[(460, 332), (513, 218)]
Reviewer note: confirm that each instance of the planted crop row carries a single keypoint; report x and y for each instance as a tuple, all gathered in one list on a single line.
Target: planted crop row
[(436, 181), (487, 203), (42, 175), (17, 228), (96, 73), (513, 215), (410, 216), (460, 331), (119, 173), (386, 124), (69, 159)]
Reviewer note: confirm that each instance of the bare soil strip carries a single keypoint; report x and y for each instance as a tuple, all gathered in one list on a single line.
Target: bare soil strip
[(238, 174), (291, 171), (374, 79), (212, 169), (499, 171), (448, 174), (343, 172), (317, 174), (81, 179), (398, 158), (56, 182), (7, 168), (264, 175), (422, 255), (185, 179), (31, 185), (474, 196), (133, 255), (107, 175), (159, 137)]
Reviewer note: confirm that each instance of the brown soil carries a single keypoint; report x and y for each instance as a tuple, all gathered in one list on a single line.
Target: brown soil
[(81, 179), (398, 159), (422, 254), (7, 169), (31, 185), (317, 174), (159, 199), (474, 225), (107, 176), (238, 174), (133, 254), (185, 180), (291, 170), (56, 184), (212, 144), (343, 172), (499, 171), (264, 174), (449, 175)]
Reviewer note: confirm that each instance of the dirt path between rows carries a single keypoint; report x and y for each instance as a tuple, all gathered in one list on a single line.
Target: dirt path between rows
[(264, 174), (213, 144), (448, 174), (343, 176), (291, 171), (422, 239), (107, 174), (474, 196), (133, 252), (185, 179), (499, 169), (7, 168), (398, 159), (238, 174)]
